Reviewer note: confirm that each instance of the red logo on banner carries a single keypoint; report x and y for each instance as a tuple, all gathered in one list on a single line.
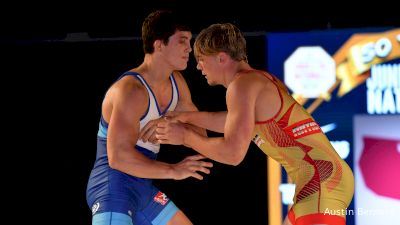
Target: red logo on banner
[(380, 166)]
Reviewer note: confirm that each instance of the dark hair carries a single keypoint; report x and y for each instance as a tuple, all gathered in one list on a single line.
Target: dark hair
[(160, 25)]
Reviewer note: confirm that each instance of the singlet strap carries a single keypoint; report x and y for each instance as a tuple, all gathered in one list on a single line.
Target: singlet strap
[(278, 85)]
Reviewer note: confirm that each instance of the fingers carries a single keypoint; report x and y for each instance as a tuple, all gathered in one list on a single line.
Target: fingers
[(161, 130), (197, 169), (163, 123), (192, 166), (153, 139), (160, 126), (195, 160), (203, 170), (198, 165), (161, 133), (196, 157), (197, 176), (147, 131), (161, 138), (164, 133), (205, 165)]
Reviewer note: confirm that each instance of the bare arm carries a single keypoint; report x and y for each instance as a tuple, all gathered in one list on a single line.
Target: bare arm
[(185, 102), (129, 102), (214, 121), (238, 129)]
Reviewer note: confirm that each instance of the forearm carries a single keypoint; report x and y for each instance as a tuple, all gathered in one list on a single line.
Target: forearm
[(216, 148), (136, 164), (198, 130), (214, 121)]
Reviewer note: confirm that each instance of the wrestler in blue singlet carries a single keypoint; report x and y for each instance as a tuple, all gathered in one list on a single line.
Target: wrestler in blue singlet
[(121, 198)]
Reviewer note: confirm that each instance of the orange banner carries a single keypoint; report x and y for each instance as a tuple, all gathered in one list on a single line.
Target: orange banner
[(356, 57)]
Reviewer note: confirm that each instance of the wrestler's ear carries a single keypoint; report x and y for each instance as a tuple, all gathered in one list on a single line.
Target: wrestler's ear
[(221, 57), (157, 45)]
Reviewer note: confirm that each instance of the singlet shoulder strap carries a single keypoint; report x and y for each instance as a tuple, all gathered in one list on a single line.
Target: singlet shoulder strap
[(279, 86)]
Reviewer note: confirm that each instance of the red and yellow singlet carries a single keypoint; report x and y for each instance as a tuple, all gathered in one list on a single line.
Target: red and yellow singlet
[(324, 182)]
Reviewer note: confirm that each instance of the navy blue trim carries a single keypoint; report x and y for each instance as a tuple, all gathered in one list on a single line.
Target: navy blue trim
[(171, 79), (176, 85), (149, 154), (129, 73), (103, 121)]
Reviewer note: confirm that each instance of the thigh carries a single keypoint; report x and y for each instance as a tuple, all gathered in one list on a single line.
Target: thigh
[(158, 210), (179, 219), (314, 218), (320, 218), (111, 218), (166, 217), (290, 218)]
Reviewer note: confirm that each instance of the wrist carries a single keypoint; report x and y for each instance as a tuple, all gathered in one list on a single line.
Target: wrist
[(184, 117), (186, 136), (171, 173)]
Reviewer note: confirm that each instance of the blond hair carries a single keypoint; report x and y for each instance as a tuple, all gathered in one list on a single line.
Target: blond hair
[(224, 37)]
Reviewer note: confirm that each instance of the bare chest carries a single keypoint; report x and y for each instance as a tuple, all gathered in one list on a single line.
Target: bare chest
[(163, 98)]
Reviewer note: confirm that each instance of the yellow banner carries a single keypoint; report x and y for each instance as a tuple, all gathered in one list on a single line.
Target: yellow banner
[(356, 57)]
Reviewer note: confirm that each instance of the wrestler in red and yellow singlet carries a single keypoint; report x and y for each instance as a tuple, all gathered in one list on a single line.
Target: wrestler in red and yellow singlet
[(324, 182)]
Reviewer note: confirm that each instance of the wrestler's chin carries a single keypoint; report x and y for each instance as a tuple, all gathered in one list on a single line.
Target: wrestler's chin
[(182, 67), (211, 83)]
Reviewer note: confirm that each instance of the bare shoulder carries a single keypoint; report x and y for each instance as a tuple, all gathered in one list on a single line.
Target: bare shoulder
[(250, 81), (128, 88), (126, 96)]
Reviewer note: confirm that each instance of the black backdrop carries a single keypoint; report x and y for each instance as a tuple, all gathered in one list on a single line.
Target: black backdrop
[(60, 87), (52, 91)]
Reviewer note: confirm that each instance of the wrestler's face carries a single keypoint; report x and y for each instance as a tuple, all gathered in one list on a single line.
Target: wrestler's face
[(210, 68), (177, 50)]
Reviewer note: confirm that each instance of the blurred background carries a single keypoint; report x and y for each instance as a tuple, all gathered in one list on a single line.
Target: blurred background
[(59, 58)]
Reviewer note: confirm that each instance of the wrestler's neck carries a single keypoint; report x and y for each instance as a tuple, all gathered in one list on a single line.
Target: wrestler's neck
[(153, 72), (233, 70)]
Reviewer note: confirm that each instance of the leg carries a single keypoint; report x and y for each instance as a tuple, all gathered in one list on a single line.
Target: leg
[(320, 218), (111, 218), (290, 218), (160, 210), (312, 219), (287, 221), (179, 219)]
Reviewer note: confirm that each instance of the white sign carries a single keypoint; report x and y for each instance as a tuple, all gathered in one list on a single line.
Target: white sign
[(310, 71)]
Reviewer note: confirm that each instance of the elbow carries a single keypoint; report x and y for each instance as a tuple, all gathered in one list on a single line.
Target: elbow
[(235, 163), (235, 152), (117, 155), (236, 158), (113, 162)]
